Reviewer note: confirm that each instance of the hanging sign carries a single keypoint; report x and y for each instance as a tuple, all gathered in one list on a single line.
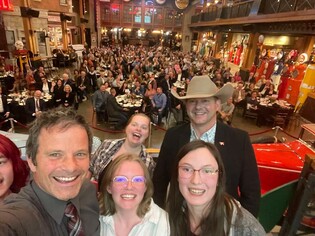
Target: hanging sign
[(5, 5)]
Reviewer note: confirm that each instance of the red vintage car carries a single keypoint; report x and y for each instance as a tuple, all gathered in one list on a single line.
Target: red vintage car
[(280, 163), (280, 166)]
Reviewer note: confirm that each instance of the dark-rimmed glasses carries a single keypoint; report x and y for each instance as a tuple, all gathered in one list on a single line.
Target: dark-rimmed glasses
[(187, 172)]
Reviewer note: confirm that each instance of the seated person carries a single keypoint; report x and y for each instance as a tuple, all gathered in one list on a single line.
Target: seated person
[(252, 103), (159, 102), (126, 202), (237, 77), (138, 89), (46, 86), (271, 92), (249, 89), (264, 88), (57, 91), (136, 133), (68, 97), (13, 170), (114, 110), (34, 106), (239, 95), (83, 86), (226, 112)]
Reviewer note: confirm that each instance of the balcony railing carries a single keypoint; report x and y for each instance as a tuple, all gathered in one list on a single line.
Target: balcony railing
[(278, 6), (245, 8), (212, 13)]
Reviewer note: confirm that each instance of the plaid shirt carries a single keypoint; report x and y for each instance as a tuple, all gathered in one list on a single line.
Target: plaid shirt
[(105, 152), (208, 136)]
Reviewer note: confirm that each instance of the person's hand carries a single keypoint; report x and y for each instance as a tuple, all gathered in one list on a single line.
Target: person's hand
[(53, 83), (178, 107), (6, 115), (38, 113)]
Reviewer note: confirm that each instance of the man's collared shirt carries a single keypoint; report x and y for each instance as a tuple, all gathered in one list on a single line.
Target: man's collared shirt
[(208, 136)]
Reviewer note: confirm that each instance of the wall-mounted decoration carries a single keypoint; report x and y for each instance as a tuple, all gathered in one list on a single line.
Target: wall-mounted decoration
[(181, 4)]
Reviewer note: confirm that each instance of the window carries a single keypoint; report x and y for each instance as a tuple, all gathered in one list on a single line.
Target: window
[(115, 12), (148, 13), (137, 14), (158, 16), (127, 13), (105, 13)]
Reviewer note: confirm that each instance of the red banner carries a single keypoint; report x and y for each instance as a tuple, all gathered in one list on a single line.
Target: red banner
[(5, 5)]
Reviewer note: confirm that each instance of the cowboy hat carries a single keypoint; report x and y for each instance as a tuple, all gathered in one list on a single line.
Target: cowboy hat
[(203, 87)]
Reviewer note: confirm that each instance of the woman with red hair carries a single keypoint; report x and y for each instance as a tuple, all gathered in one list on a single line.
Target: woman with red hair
[(13, 170)]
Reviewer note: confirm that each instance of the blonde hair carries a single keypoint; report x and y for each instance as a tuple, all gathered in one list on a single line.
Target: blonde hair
[(107, 204)]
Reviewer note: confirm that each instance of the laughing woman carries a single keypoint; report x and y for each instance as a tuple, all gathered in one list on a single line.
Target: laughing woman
[(137, 131), (197, 203)]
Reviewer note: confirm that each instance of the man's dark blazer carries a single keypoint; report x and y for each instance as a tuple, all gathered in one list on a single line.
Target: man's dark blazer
[(30, 108), (242, 180), (113, 108), (4, 104)]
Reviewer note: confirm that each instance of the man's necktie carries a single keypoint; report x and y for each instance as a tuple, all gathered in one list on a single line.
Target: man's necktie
[(37, 105), (74, 223)]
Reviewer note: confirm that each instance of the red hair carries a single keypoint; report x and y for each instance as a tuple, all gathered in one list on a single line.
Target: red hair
[(20, 168)]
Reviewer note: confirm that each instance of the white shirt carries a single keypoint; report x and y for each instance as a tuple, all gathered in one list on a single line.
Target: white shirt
[(154, 223), (1, 105)]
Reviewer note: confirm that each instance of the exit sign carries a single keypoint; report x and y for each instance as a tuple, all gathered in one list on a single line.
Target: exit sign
[(5, 5)]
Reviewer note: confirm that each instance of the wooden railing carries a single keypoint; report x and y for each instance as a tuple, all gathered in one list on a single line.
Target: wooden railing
[(252, 7)]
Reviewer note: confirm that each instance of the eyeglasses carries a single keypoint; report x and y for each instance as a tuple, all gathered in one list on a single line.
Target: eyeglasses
[(186, 172), (122, 181)]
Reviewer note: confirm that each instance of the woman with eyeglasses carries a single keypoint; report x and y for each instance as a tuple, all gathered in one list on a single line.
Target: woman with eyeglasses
[(126, 203), (197, 202)]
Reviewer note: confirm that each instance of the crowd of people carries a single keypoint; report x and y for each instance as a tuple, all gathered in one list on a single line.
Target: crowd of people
[(210, 167), (140, 71)]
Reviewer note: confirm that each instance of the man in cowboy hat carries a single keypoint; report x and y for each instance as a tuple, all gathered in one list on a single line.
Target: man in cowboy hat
[(203, 100)]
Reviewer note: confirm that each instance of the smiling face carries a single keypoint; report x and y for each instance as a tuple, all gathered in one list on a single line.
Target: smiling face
[(6, 176), (199, 189), (62, 161), (128, 197), (202, 112), (137, 131)]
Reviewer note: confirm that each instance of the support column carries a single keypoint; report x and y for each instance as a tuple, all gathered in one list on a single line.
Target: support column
[(249, 57), (65, 40), (82, 25), (29, 34), (187, 33)]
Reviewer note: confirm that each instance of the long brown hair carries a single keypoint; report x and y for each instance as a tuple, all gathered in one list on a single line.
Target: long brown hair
[(217, 216)]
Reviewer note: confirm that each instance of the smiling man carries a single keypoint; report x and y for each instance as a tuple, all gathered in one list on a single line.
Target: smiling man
[(203, 100), (59, 199)]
